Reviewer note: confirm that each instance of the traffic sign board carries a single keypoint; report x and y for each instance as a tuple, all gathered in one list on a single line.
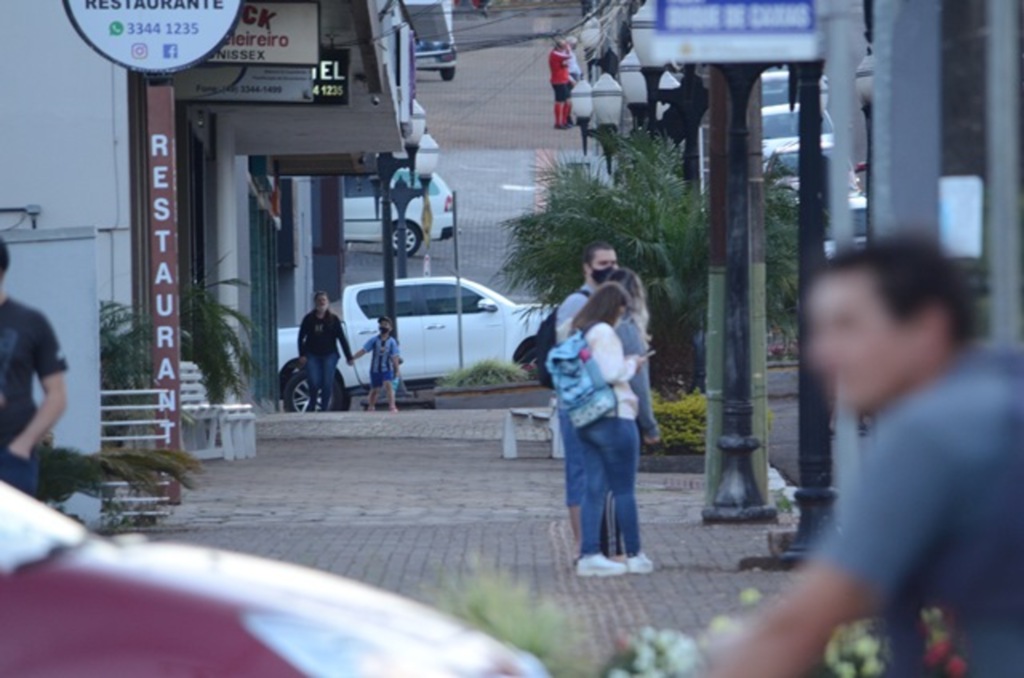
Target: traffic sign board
[(154, 36), (737, 31)]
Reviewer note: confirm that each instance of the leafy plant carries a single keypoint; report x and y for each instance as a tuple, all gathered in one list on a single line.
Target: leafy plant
[(126, 341), (216, 338), (683, 423), (485, 373), (144, 469), (505, 609), (658, 225), (64, 471)]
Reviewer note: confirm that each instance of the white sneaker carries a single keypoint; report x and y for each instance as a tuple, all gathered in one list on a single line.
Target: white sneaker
[(639, 564), (599, 566)]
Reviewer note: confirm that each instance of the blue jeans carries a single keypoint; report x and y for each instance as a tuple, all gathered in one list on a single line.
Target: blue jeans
[(22, 474), (320, 378), (611, 453), (575, 483)]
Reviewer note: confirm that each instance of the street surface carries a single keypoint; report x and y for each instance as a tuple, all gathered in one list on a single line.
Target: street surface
[(405, 512)]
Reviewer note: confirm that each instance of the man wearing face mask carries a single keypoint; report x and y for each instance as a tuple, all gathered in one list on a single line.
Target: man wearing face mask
[(386, 359), (599, 261)]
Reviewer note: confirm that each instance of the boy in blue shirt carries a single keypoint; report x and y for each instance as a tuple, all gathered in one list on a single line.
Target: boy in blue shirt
[(385, 360)]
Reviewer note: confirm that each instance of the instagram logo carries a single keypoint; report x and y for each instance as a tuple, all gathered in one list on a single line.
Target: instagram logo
[(140, 51)]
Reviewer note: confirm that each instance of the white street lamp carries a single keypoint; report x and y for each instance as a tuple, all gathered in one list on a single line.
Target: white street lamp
[(417, 125), (668, 82), (633, 86), (642, 27), (590, 36), (607, 96), (583, 107), (428, 156)]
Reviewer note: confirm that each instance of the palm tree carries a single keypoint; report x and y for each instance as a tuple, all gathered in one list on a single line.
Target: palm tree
[(658, 225)]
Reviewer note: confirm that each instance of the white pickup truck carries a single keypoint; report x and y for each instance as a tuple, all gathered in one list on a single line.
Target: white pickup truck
[(492, 327)]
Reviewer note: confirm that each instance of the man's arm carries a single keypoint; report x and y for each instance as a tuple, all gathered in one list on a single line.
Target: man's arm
[(789, 639), (54, 403)]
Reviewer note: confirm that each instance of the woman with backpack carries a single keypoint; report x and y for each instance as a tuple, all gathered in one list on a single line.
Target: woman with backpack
[(611, 442)]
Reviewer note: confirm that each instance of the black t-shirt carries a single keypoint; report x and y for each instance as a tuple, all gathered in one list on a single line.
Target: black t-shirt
[(319, 336), (28, 347)]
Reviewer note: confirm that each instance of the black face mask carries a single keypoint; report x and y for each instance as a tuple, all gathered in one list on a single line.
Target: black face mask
[(601, 275), (384, 330)]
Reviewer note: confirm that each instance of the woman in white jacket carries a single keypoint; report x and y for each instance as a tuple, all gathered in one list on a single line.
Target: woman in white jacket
[(611, 444)]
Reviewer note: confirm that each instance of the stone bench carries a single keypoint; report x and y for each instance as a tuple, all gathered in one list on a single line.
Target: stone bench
[(545, 419)]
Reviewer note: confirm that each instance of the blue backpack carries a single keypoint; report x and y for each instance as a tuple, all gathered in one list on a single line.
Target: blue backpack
[(581, 388)]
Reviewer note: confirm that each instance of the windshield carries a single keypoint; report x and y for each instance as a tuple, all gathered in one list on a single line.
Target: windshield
[(29, 531), (781, 125)]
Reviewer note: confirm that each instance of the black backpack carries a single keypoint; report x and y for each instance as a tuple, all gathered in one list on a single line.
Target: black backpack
[(547, 338)]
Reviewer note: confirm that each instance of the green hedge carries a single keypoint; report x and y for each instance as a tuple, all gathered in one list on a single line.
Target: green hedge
[(683, 423), (485, 373)]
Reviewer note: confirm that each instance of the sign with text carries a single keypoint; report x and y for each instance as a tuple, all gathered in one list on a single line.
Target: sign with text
[(154, 36), (737, 31), (274, 34), (240, 84), (165, 294), (330, 78)]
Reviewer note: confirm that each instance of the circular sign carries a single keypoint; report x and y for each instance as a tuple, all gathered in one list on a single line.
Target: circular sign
[(154, 36)]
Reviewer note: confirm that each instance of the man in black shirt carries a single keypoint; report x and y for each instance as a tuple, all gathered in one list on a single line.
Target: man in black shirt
[(28, 347)]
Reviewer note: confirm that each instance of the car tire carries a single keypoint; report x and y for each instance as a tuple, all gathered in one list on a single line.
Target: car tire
[(448, 74), (413, 238), (296, 394)]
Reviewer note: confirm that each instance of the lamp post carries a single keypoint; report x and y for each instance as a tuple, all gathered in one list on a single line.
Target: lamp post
[(426, 165), (643, 27), (865, 91), (607, 98), (815, 496), (666, 99), (403, 192), (634, 88), (695, 96), (583, 106), (737, 497)]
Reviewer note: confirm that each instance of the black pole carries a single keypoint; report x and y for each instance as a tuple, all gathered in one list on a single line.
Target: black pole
[(402, 231), (386, 167), (815, 496), (866, 108), (696, 97), (652, 77), (584, 124), (639, 112), (738, 498)]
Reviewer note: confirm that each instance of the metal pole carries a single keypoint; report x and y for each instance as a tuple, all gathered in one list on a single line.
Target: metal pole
[(1003, 137), (696, 97), (841, 24), (652, 77), (738, 498), (458, 272), (880, 198), (386, 171), (815, 496)]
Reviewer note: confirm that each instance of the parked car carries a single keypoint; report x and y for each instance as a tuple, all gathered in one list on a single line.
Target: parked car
[(435, 39), (859, 214), (781, 127), (79, 605), (775, 87), (784, 162), (492, 327), (362, 212)]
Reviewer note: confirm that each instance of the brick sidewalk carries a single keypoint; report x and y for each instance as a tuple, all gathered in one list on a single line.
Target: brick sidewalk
[(401, 513)]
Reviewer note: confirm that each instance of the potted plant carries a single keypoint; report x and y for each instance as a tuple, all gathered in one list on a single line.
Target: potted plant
[(490, 385)]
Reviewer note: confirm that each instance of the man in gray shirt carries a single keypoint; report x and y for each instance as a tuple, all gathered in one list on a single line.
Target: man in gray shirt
[(937, 515)]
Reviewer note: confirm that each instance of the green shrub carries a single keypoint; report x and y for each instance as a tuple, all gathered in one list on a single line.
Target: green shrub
[(485, 373), (64, 471), (504, 608), (682, 422)]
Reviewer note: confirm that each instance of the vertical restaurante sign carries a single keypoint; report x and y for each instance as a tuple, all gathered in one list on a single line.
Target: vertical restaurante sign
[(158, 37), (154, 36)]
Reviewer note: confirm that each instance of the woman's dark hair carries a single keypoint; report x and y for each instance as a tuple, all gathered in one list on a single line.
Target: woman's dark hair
[(911, 274), (606, 305)]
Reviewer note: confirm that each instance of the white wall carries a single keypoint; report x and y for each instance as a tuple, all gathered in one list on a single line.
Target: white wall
[(63, 137), (295, 285), (67, 295), (113, 265)]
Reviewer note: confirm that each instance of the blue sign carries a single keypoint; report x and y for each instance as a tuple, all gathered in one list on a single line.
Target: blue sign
[(722, 31)]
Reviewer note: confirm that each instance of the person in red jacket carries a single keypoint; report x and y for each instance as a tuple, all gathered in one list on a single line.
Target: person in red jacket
[(561, 81)]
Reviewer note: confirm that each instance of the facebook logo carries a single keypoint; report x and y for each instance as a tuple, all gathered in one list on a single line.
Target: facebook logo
[(171, 51)]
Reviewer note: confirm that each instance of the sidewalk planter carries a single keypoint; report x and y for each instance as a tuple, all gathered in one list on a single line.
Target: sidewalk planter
[(496, 397)]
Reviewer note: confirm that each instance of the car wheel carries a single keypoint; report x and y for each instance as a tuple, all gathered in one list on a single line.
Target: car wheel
[(413, 238), (296, 393), (448, 74)]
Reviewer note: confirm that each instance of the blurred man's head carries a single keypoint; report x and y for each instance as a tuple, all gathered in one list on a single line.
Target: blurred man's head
[(599, 260), (887, 320)]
